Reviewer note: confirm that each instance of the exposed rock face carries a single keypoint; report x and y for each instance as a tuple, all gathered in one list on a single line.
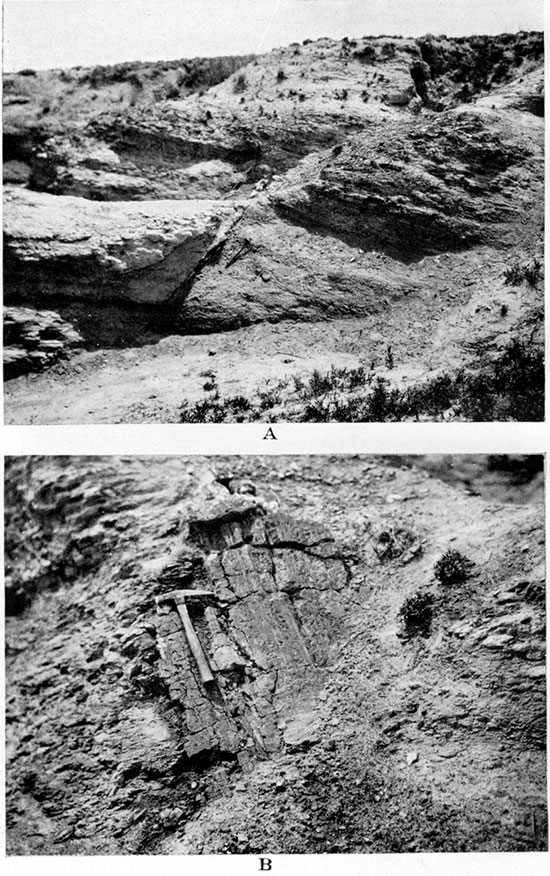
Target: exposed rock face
[(80, 166), (271, 270), (261, 119), (141, 252), (85, 168), (16, 172), (320, 708), (525, 94), (34, 339), (44, 113), (275, 586), (336, 236), (458, 180)]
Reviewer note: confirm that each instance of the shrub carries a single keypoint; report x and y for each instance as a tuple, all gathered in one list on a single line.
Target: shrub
[(383, 404), (510, 387), (336, 380), (388, 50), (521, 469), (321, 383), (269, 398), (281, 75), (393, 543), (517, 273), (533, 272), (416, 614), (216, 410), (366, 55), (453, 568), (135, 79), (240, 84), (513, 275)]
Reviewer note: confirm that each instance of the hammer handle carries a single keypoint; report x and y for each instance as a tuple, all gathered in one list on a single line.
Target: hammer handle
[(196, 648)]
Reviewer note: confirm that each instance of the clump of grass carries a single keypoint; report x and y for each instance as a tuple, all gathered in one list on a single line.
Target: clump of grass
[(453, 568), (393, 543), (269, 398), (517, 273), (416, 614), (335, 380)]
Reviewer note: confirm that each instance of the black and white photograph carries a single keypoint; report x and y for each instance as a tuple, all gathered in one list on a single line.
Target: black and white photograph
[(273, 438), (301, 211), (256, 655)]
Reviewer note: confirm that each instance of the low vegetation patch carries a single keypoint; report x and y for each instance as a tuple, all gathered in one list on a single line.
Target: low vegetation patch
[(396, 542), (453, 568), (240, 84), (505, 386), (517, 273), (214, 409), (415, 615)]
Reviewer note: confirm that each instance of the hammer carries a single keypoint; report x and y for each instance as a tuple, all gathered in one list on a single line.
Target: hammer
[(180, 597)]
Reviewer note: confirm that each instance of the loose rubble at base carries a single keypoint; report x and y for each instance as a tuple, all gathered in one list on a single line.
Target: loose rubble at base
[(34, 339)]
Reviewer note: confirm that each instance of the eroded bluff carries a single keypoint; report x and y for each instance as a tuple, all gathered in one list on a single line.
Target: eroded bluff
[(402, 148), (455, 181)]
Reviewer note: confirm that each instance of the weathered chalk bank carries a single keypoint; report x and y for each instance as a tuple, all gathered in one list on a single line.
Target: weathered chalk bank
[(132, 251)]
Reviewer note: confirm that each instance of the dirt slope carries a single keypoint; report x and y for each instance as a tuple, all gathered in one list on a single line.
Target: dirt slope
[(44, 102), (327, 728)]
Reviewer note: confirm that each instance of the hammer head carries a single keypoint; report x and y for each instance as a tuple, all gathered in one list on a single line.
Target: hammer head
[(179, 596)]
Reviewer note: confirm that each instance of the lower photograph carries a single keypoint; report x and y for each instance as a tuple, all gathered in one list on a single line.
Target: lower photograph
[(275, 654)]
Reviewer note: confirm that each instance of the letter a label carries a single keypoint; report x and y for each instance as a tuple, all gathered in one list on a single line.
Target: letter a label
[(269, 436)]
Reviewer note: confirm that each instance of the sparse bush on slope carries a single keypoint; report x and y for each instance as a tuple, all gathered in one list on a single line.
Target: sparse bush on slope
[(453, 568), (416, 614), (517, 273), (240, 84), (507, 387)]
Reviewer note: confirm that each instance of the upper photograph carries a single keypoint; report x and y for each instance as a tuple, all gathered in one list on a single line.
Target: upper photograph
[(303, 211)]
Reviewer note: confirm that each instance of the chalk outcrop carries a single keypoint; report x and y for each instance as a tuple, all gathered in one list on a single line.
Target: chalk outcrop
[(136, 252)]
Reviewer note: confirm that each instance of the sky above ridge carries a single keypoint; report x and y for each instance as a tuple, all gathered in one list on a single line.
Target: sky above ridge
[(44, 34)]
